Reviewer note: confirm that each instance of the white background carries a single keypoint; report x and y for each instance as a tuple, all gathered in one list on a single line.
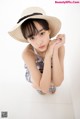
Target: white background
[(12, 79)]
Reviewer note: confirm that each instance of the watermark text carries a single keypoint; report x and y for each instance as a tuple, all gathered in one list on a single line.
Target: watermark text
[(67, 2)]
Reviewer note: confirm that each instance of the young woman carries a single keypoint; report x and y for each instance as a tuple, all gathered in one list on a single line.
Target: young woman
[(43, 56)]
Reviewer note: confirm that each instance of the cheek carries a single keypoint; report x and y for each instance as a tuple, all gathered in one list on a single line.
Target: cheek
[(33, 43), (47, 39)]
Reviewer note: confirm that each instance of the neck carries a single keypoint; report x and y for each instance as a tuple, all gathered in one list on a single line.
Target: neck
[(42, 54)]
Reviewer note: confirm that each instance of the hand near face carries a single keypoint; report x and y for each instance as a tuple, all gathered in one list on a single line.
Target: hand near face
[(60, 40), (56, 43), (51, 47)]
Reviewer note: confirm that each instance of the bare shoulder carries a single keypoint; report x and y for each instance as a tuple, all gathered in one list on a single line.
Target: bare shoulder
[(29, 59), (28, 53)]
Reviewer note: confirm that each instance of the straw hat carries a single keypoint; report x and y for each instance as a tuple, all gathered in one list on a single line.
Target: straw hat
[(35, 12)]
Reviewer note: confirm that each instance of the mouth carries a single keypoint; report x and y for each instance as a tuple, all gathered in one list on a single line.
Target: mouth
[(42, 46)]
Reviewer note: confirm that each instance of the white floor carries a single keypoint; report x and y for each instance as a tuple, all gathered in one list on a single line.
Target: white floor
[(21, 101)]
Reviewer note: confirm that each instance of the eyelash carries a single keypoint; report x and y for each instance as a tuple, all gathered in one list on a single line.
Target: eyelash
[(42, 33), (32, 38)]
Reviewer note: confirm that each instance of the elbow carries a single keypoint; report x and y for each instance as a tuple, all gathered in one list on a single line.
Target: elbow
[(58, 83), (44, 88), (37, 87)]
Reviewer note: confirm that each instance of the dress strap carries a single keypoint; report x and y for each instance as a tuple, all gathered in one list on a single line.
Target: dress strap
[(39, 58), (35, 51)]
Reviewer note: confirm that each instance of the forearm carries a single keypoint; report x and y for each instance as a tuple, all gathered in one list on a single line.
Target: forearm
[(46, 76), (57, 70)]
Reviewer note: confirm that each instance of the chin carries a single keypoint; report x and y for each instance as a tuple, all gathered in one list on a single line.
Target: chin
[(43, 50)]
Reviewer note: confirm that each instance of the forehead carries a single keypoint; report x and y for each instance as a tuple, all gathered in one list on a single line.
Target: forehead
[(38, 26)]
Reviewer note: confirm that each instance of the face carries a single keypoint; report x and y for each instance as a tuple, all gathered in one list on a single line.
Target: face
[(41, 40)]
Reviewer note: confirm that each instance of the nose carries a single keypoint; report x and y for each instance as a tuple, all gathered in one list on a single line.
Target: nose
[(39, 41)]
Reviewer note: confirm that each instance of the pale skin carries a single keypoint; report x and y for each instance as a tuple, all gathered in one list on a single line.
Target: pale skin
[(52, 52)]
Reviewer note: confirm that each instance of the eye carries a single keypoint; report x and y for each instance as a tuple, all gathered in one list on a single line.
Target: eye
[(32, 38), (42, 33)]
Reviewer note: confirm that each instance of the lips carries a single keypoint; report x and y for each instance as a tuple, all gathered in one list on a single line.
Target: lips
[(42, 46)]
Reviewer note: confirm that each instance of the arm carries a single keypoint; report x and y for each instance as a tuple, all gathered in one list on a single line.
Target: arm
[(58, 66), (47, 72), (46, 76), (58, 61), (55, 51), (39, 81)]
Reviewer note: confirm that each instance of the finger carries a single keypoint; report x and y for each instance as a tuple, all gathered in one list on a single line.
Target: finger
[(60, 36), (58, 40)]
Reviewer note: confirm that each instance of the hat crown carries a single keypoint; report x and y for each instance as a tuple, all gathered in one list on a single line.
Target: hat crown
[(32, 10)]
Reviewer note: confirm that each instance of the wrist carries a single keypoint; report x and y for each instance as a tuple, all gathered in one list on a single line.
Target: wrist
[(48, 55), (56, 49), (55, 52)]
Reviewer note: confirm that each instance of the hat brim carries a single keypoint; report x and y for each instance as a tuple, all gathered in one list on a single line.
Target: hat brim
[(54, 26)]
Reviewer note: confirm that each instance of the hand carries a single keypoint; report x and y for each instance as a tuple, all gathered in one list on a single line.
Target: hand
[(56, 43), (51, 46), (60, 40)]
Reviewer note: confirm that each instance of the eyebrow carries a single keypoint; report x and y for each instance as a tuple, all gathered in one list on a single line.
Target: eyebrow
[(37, 33), (40, 30)]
